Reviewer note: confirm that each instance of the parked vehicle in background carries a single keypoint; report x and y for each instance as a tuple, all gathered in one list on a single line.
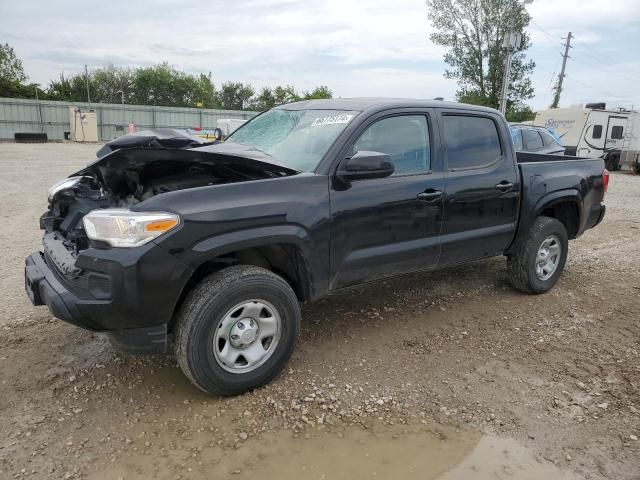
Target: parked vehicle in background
[(597, 132), (229, 125), (217, 245), (528, 138)]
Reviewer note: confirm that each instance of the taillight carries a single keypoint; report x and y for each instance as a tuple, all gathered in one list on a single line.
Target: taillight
[(605, 180)]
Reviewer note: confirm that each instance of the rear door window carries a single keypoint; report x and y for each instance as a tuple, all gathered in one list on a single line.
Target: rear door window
[(532, 139), (471, 141)]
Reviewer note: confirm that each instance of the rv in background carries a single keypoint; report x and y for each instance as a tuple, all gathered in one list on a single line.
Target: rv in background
[(596, 132)]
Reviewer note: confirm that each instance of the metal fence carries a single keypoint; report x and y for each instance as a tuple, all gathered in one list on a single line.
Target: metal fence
[(52, 118)]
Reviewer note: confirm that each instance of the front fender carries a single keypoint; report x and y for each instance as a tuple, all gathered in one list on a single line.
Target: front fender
[(316, 265), (254, 237)]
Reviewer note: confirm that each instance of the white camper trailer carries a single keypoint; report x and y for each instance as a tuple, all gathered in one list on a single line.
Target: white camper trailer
[(613, 135)]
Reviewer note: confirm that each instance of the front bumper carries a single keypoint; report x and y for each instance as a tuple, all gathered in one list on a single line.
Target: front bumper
[(44, 288), (130, 293)]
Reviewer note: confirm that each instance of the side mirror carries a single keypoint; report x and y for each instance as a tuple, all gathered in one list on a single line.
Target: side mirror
[(364, 165)]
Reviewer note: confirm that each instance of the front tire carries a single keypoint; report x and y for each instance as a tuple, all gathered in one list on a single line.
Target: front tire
[(236, 330), (537, 265)]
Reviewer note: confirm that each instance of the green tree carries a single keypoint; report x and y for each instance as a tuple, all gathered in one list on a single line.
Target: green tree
[(472, 31), (235, 96), (161, 85), (520, 113), (285, 94), (204, 91), (268, 98), (263, 100), (11, 70), (12, 77), (158, 85), (69, 88), (107, 82), (321, 91)]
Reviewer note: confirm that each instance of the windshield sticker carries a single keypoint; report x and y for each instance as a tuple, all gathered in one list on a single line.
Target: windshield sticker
[(332, 120)]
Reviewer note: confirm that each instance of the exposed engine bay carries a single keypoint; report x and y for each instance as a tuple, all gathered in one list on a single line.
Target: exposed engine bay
[(127, 177)]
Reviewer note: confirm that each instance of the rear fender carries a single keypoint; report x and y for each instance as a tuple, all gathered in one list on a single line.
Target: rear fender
[(554, 198), (544, 202)]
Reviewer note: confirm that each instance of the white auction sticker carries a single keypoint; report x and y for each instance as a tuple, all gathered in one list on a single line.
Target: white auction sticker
[(332, 120)]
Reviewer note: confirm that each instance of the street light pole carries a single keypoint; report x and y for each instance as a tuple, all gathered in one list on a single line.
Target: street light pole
[(121, 92), (511, 43), (86, 77)]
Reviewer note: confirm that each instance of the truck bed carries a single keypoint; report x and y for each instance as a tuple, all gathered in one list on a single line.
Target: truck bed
[(549, 176)]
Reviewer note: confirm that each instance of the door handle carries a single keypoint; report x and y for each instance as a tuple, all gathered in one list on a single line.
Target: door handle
[(430, 196), (504, 186)]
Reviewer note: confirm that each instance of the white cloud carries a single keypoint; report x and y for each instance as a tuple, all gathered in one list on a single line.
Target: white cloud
[(604, 63), (357, 48)]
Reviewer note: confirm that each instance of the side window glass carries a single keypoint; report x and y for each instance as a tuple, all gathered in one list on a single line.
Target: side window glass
[(616, 132), (532, 139), (404, 138), (516, 134), (471, 142), (597, 131), (549, 141)]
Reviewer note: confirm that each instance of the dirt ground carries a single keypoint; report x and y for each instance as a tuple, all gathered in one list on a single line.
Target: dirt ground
[(408, 378)]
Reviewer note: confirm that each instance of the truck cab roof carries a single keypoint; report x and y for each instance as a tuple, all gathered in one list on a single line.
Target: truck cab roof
[(376, 103)]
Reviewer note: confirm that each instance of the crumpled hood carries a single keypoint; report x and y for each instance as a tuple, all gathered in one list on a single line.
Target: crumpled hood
[(126, 171), (152, 138), (239, 150)]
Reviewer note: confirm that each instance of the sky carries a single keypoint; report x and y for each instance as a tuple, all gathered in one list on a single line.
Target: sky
[(356, 48)]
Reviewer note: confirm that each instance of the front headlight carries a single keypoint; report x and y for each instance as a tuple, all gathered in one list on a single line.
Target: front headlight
[(63, 185), (120, 227)]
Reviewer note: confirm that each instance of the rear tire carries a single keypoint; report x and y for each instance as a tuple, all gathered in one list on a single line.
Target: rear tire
[(537, 265), (236, 330), (612, 163)]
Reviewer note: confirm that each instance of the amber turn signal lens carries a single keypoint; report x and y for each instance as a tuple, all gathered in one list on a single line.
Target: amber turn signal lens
[(160, 225)]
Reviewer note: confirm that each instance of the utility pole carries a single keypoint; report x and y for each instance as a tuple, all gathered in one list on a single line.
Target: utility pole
[(86, 76), (512, 42), (556, 97), (121, 92)]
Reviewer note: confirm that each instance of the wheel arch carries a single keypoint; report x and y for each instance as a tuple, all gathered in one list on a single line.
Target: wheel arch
[(565, 206), (284, 251)]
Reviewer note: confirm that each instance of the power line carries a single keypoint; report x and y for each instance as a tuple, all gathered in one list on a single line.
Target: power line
[(548, 36), (550, 87), (584, 84), (601, 57), (601, 68), (597, 89)]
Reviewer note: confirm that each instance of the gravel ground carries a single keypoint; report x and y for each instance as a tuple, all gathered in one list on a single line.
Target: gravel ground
[(457, 353)]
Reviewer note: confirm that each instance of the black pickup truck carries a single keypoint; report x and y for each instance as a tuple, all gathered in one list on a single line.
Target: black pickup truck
[(216, 246)]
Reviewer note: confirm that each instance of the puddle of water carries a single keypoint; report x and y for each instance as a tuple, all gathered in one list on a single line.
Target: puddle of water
[(378, 452), (181, 448), (496, 458)]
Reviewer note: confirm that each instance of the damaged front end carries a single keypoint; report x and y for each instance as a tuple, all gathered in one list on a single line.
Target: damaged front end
[(90, 275), (128, 177)]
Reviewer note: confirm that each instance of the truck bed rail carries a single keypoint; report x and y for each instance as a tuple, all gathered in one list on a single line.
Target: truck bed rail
[(528, 157)]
